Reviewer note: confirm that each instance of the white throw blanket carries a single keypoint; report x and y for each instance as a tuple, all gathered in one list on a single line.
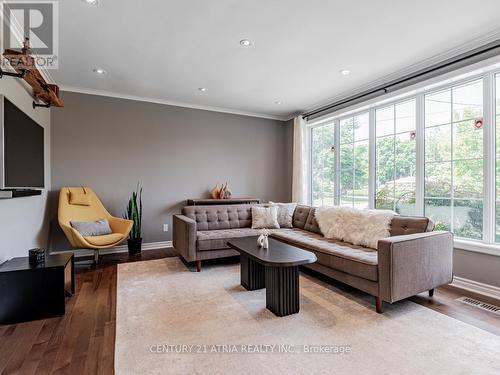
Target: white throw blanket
[(354, 225)]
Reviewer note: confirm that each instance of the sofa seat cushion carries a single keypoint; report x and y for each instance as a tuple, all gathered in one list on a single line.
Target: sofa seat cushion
[(217, 239), (104, 240), (355, 260)]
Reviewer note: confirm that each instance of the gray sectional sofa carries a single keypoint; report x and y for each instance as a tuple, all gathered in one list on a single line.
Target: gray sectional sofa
[(412, 260)]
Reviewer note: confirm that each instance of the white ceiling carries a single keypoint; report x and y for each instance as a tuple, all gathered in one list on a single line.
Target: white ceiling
[(163, 50)]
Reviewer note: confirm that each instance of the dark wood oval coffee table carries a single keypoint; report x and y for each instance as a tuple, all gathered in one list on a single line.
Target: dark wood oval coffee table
[(276, 269)]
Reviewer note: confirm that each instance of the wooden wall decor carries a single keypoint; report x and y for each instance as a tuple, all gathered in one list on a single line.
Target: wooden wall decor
[(25, 66)]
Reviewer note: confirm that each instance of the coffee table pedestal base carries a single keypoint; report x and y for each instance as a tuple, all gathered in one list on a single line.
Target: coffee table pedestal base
[(252, 274), (282, 290)]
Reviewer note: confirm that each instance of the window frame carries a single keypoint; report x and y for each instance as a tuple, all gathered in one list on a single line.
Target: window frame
[(310, 177), (337, 154), (486, 234), (488, 76), (393, 105)]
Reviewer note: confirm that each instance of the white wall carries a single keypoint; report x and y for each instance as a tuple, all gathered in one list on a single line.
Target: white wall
[(24, 221)]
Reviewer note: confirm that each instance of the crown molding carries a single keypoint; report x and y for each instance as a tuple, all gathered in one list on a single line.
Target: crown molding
[(83, 90), (458, 50)]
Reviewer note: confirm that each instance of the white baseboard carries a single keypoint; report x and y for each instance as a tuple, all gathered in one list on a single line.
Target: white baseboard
[(476, 287), (118, 249)]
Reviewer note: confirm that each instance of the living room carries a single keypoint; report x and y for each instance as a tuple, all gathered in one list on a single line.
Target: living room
[(221, 193)]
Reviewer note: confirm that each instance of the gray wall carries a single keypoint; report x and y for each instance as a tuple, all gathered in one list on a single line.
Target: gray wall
[(484, 268), (176, 153), (24, 221)]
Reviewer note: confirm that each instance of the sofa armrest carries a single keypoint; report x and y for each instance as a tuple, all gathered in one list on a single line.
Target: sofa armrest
[(184, 237), (411, 264)]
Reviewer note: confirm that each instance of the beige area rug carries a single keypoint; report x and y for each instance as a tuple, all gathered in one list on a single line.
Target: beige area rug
[(173, 321)]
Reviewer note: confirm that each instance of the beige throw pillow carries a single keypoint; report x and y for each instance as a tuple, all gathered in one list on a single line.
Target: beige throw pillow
[(265, 217), (285, 213)]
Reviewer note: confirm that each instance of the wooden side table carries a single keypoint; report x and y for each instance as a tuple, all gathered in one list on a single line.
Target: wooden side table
[(35, 292)]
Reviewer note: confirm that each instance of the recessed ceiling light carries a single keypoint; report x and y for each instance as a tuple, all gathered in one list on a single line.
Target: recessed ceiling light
[(202, 89), (99, 71), (277, 102), (91, 2), (345, 72), (245, 42)]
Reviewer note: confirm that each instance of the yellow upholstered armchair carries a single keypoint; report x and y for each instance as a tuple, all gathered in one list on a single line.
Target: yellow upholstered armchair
[(82, 204)]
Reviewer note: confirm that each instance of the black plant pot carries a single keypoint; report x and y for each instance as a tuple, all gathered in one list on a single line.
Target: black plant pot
[(134, 246)]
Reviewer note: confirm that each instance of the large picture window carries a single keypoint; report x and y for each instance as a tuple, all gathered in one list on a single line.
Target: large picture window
[(323, 165), (354, 160), (433, 152), (395, 130), (454, 159)]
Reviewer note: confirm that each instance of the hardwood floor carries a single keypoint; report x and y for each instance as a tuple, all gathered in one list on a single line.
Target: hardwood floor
[(83, 340), (444, 301)]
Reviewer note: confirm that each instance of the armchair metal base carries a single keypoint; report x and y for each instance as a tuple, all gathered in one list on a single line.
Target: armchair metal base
[(93, 262)]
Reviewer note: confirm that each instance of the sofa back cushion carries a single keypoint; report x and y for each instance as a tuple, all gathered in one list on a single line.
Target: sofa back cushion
[(240, 216), (220, 217), (311, 222), (304, 218), (401, 225), (300, 216)]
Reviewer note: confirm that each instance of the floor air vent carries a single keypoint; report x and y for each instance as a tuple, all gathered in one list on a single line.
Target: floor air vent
[(480, 305)]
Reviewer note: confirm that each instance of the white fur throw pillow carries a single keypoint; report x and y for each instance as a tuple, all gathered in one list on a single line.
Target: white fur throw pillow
[(265, 217), (354, 225), (285, 213)]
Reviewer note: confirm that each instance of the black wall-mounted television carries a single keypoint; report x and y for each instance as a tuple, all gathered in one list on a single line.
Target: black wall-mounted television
[(22, 164)]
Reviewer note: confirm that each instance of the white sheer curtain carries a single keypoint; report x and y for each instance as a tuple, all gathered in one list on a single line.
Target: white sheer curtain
[(301, 164)]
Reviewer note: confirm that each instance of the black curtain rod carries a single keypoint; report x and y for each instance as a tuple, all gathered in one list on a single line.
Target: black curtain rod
[(475, 55)]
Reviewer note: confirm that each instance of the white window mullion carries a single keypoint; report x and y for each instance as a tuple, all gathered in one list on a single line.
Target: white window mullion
[(452, 148), (353, 162), (337, 162), (420, 157), (372, 160), (310, 173), (489, 187)]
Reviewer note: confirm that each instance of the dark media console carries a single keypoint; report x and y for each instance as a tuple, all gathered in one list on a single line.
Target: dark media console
[(30, 292), (18, 193)]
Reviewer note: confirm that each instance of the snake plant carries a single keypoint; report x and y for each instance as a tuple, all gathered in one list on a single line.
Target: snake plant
[(134, 213)]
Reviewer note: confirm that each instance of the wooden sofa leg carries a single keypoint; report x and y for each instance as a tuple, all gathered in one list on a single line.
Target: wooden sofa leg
[(378, 305), (431, 292), (198, 266)]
